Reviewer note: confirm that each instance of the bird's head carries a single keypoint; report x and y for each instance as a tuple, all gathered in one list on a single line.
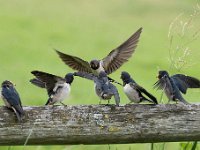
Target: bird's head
[(126, 78), (7, 83), (94, 64), (162, 74), (69, 78)]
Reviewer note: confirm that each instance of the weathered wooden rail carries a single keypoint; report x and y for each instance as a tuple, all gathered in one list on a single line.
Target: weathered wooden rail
[(100, 124)]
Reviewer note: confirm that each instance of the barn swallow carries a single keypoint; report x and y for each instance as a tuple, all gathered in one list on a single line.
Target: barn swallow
[(11, 99), (134, 91), (114, 60), (58, 88), (103, 88), (174, 85)]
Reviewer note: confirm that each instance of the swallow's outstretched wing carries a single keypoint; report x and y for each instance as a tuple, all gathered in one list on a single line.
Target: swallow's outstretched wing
[(49, 79), (121, 54), (184, 82), (75, 63)]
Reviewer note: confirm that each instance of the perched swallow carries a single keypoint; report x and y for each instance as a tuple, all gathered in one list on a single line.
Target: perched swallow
[(103, 88), (11, 99), (114, 60), (58, 88), (174, 85), (134, 91)]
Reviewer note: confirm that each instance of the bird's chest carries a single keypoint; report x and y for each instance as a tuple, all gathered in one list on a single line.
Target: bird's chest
[(5, 101), (169, 93), (100, 67), (169, 90), (131, 93), (97, 89), (102, 94), (62, 92)]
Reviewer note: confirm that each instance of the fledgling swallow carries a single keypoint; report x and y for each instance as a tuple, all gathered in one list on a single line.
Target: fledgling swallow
[(135, 92), (114, 60), (11, 99), (103, 88), (174, 85), (58, 88)]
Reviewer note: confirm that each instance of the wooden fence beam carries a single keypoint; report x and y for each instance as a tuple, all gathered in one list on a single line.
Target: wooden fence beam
[(101, 124)]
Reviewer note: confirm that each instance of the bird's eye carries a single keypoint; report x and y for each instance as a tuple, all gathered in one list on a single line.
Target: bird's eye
[(99, 90)]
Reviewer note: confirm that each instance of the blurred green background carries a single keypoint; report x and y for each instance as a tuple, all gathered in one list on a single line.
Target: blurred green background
[(29, 30)]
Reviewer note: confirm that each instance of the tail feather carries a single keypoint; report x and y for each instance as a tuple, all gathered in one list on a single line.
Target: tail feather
[(117, 98), (151, 100), (184, 101), (150, 96), (19, 114), (116, 94)]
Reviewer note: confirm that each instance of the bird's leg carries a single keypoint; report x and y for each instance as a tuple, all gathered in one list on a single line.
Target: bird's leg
[(108, 101), (177, 101), (100, 102), (108, 104)]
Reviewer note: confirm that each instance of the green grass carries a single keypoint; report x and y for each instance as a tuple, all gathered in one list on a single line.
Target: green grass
[(29, 30)]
